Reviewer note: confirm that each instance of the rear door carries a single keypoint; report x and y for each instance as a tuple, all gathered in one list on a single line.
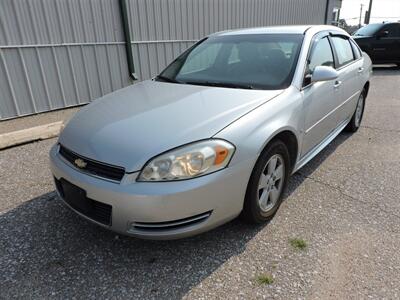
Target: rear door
[(320, 98), (349, 64)]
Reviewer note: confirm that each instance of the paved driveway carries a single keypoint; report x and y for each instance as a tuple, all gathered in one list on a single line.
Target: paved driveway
[(345, 206)]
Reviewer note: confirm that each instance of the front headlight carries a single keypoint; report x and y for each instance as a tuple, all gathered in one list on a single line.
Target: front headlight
[(188, 161)]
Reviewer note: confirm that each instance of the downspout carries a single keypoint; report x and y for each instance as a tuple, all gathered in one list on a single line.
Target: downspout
[(127, 36), (326, 12)]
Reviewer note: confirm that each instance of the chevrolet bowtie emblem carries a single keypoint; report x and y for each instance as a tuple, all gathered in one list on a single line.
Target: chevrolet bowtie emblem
[(80, 163)]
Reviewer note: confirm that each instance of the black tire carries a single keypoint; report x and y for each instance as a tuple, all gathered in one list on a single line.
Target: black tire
[(252, 211), (354, 125)]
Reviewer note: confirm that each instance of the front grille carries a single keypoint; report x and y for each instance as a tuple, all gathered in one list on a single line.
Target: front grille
[(93, 167), (171, 225), (95, 210)]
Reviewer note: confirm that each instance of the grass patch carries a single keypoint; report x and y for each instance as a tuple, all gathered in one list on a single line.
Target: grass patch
[(299, 244), (265, 279)]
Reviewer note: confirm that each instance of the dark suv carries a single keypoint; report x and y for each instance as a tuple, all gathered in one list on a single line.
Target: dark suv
[(380, 41)]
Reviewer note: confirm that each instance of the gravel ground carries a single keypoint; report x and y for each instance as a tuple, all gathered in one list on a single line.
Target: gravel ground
[(344, 205)]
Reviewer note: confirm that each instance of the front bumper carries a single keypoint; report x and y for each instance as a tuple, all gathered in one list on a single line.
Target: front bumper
[(206, 201)]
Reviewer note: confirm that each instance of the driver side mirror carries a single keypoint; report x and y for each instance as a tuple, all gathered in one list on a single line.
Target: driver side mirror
[(382, 34), (324, 73)]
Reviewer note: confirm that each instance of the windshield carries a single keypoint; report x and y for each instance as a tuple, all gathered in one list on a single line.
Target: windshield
[(368, 30), (253, 61)]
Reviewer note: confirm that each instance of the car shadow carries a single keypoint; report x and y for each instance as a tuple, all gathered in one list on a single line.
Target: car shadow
[(386, 70), (305, 172), (47, 250)]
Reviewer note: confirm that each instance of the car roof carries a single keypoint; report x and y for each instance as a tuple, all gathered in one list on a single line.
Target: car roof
[(292, 29), (386, 22)]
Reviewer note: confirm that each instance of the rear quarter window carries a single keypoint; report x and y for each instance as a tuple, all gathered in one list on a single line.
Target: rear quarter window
[(356, 50)]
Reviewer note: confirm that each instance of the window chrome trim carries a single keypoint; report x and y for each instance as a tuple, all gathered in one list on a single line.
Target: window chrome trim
[(350, 63)]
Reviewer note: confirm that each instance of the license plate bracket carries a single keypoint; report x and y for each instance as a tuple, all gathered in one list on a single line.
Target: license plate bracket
[(76, 197)]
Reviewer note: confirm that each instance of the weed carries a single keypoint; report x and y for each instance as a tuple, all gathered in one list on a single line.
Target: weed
[(265, 279), (299, 244)]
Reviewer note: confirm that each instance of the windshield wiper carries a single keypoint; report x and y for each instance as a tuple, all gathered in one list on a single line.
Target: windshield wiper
[(167, 79), (221, 84)]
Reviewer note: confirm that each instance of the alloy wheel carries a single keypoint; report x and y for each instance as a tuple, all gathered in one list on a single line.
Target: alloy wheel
[(359, 110), (271, 183)]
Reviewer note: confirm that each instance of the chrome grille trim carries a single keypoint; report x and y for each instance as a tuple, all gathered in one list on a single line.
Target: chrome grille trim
[(95, 168), (170, 225)]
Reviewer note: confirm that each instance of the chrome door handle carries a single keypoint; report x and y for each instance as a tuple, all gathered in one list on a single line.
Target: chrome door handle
[(337, 84), (360, 70)]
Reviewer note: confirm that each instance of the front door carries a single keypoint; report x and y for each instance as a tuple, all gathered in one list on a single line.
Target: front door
[(320, 98)]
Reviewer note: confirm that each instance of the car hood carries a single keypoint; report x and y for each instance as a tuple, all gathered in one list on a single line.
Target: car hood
[(130, 126), (360, 37)]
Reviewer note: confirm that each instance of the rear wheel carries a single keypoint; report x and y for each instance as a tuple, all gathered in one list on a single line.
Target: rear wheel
[(267, 183), (356, 119)]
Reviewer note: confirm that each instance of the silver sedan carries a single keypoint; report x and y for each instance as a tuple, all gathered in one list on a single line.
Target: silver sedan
[(215, 135)]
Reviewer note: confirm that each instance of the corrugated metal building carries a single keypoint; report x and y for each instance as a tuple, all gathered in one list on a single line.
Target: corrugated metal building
[(61, 53)]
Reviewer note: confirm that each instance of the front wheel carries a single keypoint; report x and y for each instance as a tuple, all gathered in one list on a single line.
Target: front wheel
[(267, 183), (355, 121)]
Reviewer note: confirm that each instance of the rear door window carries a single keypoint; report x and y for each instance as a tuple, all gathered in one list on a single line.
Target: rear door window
[(343, 49)]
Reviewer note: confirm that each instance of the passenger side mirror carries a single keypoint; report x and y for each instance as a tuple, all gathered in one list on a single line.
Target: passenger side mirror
[(382, 34), (324, 73)]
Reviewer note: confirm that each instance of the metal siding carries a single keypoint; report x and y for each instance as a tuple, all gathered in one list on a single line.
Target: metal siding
[(162, 29), (56, 54)]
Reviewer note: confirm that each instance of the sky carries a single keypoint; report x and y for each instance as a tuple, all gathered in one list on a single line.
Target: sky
[(382, 10)]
